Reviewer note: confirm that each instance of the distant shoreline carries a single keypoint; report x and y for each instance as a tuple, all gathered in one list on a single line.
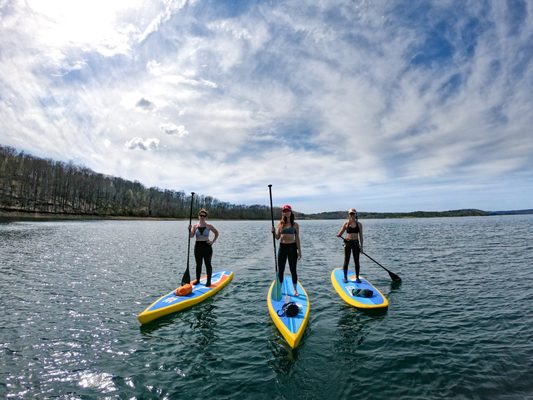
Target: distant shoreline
[(28, 215)]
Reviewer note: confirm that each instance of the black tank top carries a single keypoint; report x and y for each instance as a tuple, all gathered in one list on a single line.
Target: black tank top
[(350, 229)]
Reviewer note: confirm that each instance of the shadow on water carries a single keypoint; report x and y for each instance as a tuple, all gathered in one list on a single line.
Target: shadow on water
[(395, 285), (393, 289), (205, 324), (284, 359), (354, 325), (284, 356), (202, 319), (159, 323)]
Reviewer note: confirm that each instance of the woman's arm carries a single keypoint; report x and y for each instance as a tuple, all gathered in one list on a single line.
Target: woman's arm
[(297, 234), (214, 230), (360, 235), (277, 231), (192, 230), (343, 228)]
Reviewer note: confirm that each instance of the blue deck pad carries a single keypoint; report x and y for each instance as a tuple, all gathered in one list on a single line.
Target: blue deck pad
[(377, 298), (197, 291), (287, 295)]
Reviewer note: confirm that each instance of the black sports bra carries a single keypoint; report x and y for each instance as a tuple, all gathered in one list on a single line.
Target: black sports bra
[(350, 229)]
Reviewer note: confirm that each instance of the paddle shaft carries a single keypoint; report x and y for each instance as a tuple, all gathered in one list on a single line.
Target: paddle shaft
[(187, 275), (273, 234), (392, 275)]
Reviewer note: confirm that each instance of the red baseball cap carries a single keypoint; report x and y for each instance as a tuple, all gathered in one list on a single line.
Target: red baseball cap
[(286, 207)]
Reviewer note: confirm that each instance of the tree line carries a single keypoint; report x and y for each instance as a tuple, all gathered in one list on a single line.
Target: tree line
[(31, 184), (413, 214), (36, 185)]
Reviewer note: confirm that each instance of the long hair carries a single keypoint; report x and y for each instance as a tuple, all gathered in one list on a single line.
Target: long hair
[(356, 218), (284, 219)]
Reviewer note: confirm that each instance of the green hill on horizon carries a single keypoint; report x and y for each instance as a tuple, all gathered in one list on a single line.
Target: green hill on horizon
[(33, 185)]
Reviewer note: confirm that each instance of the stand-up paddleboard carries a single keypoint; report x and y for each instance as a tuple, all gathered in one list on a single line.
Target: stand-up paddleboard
[(170, 303), (292, 328), (347, 291)]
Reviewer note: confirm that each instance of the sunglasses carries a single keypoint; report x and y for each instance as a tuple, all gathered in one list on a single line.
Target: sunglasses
[(352, 213), (203, 215)]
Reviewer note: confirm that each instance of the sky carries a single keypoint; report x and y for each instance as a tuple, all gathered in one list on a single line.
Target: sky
[(385, 106)]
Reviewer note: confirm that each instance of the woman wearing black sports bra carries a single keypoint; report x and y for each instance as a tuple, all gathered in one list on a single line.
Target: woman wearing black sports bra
[(353, 243), (288, 233), (202, 248)]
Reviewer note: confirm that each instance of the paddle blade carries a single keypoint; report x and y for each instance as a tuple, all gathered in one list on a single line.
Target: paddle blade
[(394, 277), (186, 277), (277, 289)]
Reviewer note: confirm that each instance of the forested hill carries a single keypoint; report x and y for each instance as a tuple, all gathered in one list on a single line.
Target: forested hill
[(34, 185), (414, 214)]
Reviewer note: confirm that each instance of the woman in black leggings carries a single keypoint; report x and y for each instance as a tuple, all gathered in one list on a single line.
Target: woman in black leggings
[(288, 232), (353, 243), (202, 248)]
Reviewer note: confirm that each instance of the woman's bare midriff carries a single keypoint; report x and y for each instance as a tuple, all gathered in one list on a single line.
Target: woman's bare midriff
[(288, 238)]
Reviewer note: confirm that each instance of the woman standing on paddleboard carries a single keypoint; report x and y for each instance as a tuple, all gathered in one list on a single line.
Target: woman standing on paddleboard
[(202, 248), (288, 233), (353, 243)]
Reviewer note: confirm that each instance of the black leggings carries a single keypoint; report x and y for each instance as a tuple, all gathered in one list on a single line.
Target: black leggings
[(203, 252), (290, 251), (351, 246)]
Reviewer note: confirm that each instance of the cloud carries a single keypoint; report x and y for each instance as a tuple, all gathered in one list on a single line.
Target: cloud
[(362, 100), (171, 129), (145, 105), (142, 144)]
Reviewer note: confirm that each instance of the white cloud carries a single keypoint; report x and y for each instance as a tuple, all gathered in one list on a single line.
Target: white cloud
[(142, 144), (318, 96), (171, 129)]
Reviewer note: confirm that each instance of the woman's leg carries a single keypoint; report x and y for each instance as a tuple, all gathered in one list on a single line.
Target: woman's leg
[(198, 256), (282, 260), (293, 261), (356, 252), (209, 268), (346, 259)]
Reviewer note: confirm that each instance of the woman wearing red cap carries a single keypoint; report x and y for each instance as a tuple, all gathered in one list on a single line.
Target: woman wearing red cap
[(353, 242), (288, 233)]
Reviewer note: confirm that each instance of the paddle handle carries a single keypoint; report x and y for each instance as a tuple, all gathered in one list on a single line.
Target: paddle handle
[(273, 234)]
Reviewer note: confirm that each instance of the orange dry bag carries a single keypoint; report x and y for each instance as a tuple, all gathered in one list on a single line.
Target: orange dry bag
[(184, 290)]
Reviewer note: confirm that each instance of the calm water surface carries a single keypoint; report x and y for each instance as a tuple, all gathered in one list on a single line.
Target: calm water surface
[(459, 326)]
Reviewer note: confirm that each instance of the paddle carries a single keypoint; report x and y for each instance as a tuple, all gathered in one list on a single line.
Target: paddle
[(187, 276), (392, 275), (277, 285)]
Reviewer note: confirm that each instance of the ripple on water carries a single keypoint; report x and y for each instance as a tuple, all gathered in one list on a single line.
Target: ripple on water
[(458, 325)]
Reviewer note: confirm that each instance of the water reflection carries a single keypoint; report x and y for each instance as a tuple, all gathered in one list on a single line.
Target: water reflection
[(284, 356), (354, 326), (201, 319), (205, 324), (73, 291)]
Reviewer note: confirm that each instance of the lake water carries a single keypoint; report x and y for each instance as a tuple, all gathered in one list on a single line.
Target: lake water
[(460, 325)]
